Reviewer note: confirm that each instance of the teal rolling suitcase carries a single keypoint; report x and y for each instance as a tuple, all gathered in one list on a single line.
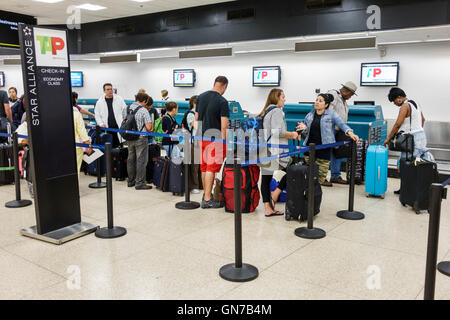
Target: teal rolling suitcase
[(376, 171)]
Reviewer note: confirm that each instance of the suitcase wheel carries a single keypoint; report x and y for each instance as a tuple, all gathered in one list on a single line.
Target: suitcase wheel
[(287, 215), (382, 196), (403, 204)]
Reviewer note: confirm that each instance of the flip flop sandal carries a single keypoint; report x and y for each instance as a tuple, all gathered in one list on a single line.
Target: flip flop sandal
[(276, 213)]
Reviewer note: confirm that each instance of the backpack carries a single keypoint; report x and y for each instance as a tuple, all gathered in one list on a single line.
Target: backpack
[(249, 188), (158, 129), (249, 132), (129, 124), (184, 121)]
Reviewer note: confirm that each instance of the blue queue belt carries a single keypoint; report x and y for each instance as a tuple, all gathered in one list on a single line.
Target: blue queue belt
[(446, 182), (84, 145), (165, 135), (293, 153)]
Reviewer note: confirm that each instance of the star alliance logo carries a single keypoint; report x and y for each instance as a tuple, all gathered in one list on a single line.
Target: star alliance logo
[(27, 31)]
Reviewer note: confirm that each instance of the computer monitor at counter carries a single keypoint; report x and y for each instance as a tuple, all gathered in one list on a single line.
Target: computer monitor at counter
[(364, 103)]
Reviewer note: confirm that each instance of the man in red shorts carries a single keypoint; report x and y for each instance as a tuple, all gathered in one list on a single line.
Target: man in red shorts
[(213, 113)]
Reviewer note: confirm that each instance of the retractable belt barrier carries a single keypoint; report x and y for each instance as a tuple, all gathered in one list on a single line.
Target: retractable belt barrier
[(437, 193)]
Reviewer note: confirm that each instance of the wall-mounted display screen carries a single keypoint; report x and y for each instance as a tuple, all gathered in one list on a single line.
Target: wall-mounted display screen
[(266, 76), (379, 74), (184, 78), (76, 78), (2, 79), (9, 22)]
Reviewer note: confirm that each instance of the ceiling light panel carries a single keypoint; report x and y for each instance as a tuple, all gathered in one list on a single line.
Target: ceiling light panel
[(91, 7)]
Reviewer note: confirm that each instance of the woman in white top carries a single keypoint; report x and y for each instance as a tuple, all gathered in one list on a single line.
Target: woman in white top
[(410, 120)]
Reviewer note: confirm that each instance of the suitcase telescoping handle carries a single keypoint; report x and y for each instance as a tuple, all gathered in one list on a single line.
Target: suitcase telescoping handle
[(379, 173)]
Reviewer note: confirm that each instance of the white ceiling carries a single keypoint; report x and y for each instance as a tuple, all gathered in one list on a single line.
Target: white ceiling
[(56, 13)]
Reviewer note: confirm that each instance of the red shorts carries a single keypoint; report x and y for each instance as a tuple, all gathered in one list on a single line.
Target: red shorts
[(212, 156)]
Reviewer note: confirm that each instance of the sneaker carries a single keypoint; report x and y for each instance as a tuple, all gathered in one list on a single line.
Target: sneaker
[(326, 183), (143, 187), (195, 191), (131, 184), (210, 204), (397, 191), (338, 180)]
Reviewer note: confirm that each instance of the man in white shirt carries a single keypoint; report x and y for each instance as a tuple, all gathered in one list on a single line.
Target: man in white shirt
[(339, 104), (108, 112)]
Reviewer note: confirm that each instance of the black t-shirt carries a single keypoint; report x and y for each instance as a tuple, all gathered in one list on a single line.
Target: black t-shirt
[(111, 118), (211, 106), (315, 136), (168, 124), (153, 114), (3, 99)]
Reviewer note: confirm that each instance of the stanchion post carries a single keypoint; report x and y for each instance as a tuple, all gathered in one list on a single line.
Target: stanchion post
[(238, 271), (310, 232), (99, 184), (187, 204), (350, 214), (111, 231), (436, 194), (18, 203)]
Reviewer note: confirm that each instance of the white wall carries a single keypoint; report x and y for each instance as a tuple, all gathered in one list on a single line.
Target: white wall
[(424, 75)]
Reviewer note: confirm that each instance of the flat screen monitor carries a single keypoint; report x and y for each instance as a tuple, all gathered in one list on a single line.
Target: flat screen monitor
[(364, 103), (266, 76), (9, 26), (76, 78), (379, 74), (184, 78), (2, 79)]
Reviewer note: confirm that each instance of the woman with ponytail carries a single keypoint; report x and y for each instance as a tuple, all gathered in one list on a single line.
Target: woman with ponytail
[(318, 127)]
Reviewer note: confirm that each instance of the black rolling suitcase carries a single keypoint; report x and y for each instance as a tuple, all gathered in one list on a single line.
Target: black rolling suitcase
[(416, 179), (154, 151), (297, 192), (119, 163), (361, 151), (158, 172), (6, 164), (175, 177)]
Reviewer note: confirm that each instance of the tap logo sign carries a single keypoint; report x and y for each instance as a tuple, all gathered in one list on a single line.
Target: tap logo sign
[(183, 78), (266, 76), (379, 74), (51, 48)]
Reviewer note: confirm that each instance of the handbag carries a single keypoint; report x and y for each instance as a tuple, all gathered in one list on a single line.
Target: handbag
[(344, 151), (402, 141)]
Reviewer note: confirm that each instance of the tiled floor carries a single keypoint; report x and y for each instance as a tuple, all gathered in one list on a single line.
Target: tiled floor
[(173, 254)]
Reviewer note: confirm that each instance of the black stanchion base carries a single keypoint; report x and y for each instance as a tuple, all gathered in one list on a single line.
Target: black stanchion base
[(106, 233), (444, 267), (314, 233), (246, 273), (18, 203), (350, 215), (96, 185), (191, 205)]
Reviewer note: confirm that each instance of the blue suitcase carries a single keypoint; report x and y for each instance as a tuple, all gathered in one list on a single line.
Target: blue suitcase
[(376, 170)]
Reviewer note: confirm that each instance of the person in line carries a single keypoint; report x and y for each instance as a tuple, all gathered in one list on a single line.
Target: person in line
[(108, 112), (78, 108), (5, 109), (274, 124), (339, 105), (319, 127), (408, 111), (138, 149), (195, 176), (164, 95), (81, 136), (213, 112), (12, 95), (169, 125), (22, 129), (153, 116), (18, 110)]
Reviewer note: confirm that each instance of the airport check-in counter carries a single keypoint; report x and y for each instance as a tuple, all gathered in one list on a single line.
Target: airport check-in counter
[(366, 121), (236, 113)]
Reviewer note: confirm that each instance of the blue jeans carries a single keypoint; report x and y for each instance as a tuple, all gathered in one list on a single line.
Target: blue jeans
[(335, 164)]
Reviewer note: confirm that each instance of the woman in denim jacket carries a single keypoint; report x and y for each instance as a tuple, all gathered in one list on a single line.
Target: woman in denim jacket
[(318, 127)]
